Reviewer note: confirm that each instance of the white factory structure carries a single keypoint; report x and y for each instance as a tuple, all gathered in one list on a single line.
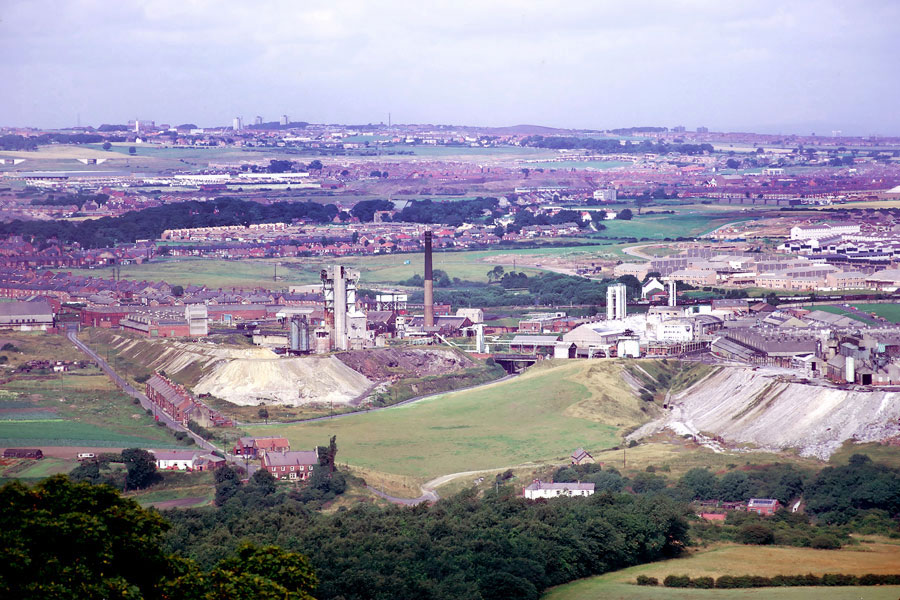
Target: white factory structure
[(345, 325), (616, 296)]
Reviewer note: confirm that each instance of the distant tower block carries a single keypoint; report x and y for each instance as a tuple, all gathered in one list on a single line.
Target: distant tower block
[(284, 120), (673, 293), (237, 124), (615, 301), (429, 283), (257, 120)]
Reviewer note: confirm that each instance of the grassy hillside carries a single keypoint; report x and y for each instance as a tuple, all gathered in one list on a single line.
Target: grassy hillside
[(541, 416), (875, 556)]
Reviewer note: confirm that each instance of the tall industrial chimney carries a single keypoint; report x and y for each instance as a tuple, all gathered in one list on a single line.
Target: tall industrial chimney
[(429, 283)]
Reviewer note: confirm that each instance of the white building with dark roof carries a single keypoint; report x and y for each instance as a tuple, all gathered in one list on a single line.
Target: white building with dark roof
[(26, 316), (541, 489)]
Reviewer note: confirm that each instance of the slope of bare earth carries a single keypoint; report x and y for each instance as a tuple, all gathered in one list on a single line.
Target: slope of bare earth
[(762, 408), (395, 363), (242, 375), (286, 381)]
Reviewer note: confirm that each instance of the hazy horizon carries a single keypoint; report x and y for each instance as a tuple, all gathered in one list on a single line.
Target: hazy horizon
[(766, 67)]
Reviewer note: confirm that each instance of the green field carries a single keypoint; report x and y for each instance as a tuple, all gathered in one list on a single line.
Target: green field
[(383, 269), (69, 433), (79, 408), (37, 469), (880, 453), (891, 312), (872, 556), (835, 310), (542, 415), (685, 223)]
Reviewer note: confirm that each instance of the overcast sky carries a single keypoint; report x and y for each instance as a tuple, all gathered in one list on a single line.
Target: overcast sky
[(731, 65)]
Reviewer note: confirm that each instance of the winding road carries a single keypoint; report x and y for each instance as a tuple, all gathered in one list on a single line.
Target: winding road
[(72, 335), (635, 251), (428, 488)]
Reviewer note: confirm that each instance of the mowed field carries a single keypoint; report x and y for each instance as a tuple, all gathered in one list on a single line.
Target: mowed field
[(79, 408), (891, 312), (878, 556), (542, 415), (384, 269), (685, 223), (75, 410), (835, 310)]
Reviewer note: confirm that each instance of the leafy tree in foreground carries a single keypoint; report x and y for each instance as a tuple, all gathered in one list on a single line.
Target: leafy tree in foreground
[(76, 540), (65, 540)]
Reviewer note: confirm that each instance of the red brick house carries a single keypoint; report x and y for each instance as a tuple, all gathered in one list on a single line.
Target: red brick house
[(256, 447), (178, 403), (293, 466), (763, 506)]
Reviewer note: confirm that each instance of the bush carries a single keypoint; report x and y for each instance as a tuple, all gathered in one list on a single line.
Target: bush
[(726, 582), (838, 579), (756, 534), (644, 580), (825, 542), (677, 581), (703, 583)]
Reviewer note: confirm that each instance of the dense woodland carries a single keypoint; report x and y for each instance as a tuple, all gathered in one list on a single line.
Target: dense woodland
[(453, 213), (498, 547), (151, 222), (78, 540)]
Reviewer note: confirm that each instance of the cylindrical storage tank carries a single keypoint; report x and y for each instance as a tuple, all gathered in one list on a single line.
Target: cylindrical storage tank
[(295, 334), (303, 329)]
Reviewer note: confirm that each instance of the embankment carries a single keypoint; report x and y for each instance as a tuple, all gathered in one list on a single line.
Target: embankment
[(763, 409)]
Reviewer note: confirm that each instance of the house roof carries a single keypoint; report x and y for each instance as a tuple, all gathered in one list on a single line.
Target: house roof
[(26, 309), (175, 454), (581, 453), (761, 502), (289, 458), (269, 443)]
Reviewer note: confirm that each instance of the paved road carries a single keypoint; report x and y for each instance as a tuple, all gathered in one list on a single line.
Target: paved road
[(635, 251), (427, 496), (126, 387)]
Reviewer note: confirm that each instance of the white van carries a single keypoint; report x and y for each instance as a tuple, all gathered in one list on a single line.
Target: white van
[(86, 455)]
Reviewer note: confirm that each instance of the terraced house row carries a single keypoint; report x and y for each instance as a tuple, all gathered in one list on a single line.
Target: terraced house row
[(178, 403)]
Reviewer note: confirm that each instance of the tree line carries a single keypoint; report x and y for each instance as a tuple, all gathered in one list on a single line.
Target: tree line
[(20, 142), (151, 222), (614, 146)]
